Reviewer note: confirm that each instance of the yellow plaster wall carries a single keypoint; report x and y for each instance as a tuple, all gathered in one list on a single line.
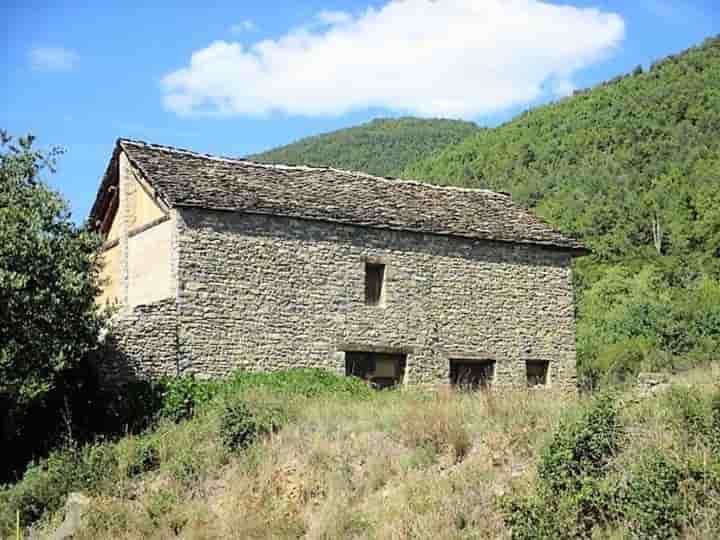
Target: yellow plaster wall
[(142, 208), (149, 272), (114, 232), (110, 276), (149, 265)]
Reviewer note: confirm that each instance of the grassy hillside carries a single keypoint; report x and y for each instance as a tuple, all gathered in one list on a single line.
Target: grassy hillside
[(303, 455), (633, 168), (382, 147)]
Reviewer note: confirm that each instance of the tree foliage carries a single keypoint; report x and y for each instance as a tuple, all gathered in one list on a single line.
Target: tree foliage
[(631, 167), (49, 273), (382, 147)]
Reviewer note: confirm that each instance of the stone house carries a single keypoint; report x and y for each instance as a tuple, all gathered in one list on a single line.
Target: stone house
[(218, 264)]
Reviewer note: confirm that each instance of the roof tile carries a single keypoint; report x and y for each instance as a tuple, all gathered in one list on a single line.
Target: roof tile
[(185, 178)]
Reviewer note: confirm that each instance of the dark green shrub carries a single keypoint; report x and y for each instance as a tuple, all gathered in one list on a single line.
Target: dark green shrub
[(651, 501), (143, 401), (182, 396), (573, 497), (243, 421), (581, 447), (530, 518)]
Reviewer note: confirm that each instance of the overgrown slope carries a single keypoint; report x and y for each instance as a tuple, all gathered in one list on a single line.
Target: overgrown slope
[(382, 147), (632, 167), (314, 455)]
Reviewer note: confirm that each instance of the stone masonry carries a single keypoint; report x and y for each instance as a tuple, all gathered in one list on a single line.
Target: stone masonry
[(263, 290)]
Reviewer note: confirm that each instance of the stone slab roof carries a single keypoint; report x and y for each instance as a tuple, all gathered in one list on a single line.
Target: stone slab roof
[(189, 179)]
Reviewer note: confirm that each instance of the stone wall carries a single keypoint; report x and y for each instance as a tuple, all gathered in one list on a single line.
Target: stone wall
[(141, 343), (266, 293)]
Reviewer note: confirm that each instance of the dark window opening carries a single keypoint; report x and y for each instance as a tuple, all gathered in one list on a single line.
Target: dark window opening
[(472, 373), (374, 277), (537, 371), (380, 369)]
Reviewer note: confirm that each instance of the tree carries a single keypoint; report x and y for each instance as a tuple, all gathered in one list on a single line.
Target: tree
[(49, 275)]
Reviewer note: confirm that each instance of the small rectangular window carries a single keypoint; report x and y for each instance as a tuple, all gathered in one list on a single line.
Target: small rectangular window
[(381, 370), (471, 373), (374, 277), (537, 371)]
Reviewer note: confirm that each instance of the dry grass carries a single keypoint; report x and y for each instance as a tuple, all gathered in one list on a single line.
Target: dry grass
[(403, 465)]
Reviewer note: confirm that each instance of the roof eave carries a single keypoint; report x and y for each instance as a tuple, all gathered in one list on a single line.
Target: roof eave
[(103, 196)]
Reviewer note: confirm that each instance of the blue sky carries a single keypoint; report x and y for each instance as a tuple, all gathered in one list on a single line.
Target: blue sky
[(233, 78)]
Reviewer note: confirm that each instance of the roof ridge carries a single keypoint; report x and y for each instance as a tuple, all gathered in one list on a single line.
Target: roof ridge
[(280, 166)]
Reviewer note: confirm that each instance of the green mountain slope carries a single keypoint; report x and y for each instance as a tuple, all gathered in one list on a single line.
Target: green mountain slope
[(633, 168), (382, 146)]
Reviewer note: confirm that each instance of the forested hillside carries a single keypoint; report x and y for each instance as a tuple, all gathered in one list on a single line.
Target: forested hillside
[(383, 146), (633, 168)]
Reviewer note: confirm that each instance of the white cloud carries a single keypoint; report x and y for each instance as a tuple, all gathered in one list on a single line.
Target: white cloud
[(456, 58), (243, 26), (52, 58)]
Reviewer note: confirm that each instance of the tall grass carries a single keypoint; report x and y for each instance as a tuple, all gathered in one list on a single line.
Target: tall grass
[(395, 465)]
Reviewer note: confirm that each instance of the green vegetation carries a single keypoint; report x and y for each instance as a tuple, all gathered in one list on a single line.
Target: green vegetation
[(49, 323), (382, 147), (631, 167), (344, 462), (218, 418), (595, 480)]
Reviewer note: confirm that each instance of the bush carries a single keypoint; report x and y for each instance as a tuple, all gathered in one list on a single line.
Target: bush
[(651, 501), (243, 421), (182, 396), (573, 496), (582, 447), (142, 403)]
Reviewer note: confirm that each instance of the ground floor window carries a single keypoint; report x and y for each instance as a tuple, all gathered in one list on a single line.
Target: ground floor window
[(383, 370), (537, 372), (471, 373)]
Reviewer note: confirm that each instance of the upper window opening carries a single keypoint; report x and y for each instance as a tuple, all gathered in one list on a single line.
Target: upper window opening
[(537, 371), (374, 282)]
